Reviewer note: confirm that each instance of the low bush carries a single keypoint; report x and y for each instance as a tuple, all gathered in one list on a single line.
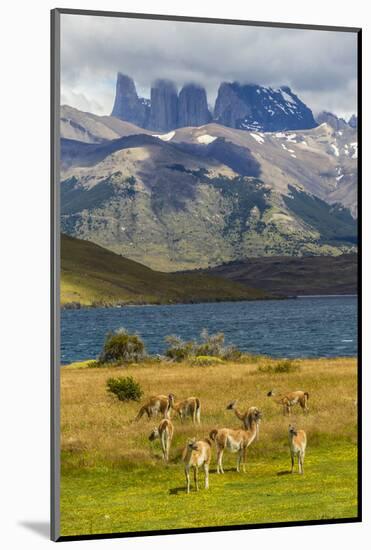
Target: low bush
[(120, 346), (125, 389), (210, 345), (285, 366)]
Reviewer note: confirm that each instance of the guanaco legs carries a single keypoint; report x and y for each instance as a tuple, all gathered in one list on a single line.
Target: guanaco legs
[(189, 407), (236, 441), (298, 444), (195, 455), (164, 432), (287, 400), (244, 416), (154, 405)]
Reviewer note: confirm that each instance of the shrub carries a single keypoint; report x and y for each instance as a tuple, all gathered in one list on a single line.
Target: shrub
[(231, 353), (206, 361), (178, 350), (285, 366), (210, 345), (122, 346), (125, 389)]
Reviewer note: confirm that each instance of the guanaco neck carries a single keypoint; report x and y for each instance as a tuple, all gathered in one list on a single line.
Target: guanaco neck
[(240, 415)]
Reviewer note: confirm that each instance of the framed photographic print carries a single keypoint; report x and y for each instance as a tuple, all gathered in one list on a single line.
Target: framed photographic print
[(205, 274)]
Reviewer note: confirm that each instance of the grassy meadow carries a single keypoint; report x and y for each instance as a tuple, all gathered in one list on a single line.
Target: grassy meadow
[(113, 478)]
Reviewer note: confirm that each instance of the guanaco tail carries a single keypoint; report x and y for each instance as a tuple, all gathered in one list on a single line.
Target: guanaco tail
[(189, 407), (289, 399), (154, 405), (164, 432), (298, 445), (195, 455), (244, 416), (236, 441)]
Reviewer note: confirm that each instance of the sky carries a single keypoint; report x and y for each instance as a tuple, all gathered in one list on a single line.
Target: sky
[(319, 66)]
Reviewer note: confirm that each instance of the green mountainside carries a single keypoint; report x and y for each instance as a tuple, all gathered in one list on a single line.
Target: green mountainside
[(92, 275)]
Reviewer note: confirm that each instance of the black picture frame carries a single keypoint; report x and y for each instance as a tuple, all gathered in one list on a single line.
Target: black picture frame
[(55, 270)]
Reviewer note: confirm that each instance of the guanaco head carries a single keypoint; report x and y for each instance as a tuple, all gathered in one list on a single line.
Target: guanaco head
[(192, 445), (232, 405), (154, 434), (171, 398), (255, 413), (292, 430)]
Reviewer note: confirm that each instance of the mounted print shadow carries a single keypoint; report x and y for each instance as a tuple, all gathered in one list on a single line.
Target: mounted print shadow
[(205, 241)]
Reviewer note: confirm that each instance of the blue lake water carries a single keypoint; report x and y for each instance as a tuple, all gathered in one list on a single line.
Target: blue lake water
[(305, 327)]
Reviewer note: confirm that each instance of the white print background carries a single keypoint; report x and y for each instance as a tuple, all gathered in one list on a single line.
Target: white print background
[(24, 229)]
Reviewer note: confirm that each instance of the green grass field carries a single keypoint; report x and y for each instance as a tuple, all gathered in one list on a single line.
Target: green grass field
[(114, 480)]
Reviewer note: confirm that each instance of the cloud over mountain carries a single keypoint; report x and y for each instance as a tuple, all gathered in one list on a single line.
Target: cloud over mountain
[(320, 66)]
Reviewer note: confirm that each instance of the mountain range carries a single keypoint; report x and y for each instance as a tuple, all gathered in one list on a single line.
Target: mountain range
[(242, 106), (249, 106), (176, 185), (200, 196)]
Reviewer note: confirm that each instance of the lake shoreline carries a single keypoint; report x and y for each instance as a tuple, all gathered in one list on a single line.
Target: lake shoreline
[(78, 305)]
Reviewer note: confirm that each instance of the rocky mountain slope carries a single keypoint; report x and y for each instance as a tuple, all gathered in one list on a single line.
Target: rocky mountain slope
[(200, 196)]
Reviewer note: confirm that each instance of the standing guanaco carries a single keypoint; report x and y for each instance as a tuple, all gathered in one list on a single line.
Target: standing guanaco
[(164, 432), (298, 445), (196, 454), (244, 416), (287, 400), (154, 405), (189, 407), (236, 441)]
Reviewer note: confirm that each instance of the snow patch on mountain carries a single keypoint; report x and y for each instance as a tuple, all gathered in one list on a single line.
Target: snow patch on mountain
[(335, 149), (206, 139), (257, 137), (165, 137)]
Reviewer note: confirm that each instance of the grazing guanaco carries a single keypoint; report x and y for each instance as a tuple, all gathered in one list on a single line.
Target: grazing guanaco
[(195, 455), (154, 405), (189, 407), (244, 416), (164, 432), (236, 441), (287, 400), (298, 444)]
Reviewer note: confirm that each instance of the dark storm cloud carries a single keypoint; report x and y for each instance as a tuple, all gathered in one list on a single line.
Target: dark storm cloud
[(319, 66)]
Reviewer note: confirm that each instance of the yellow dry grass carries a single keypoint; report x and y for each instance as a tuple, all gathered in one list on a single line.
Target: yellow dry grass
[(98, 429)]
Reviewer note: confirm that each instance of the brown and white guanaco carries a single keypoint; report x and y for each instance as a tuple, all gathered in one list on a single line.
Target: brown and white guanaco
[(236, 441), (289, 399), (298, 445), (164, 432), (195, 455), (154, 405), (188, 407)]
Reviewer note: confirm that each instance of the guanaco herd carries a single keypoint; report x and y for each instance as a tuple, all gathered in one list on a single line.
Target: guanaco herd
[(197, 454)]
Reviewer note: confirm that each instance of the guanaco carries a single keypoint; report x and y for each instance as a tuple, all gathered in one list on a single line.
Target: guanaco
[(236, 441), (196, 454), (188, 407), (154, 405), (298, 445), (287, 400), (164, 432), (244, 416)]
